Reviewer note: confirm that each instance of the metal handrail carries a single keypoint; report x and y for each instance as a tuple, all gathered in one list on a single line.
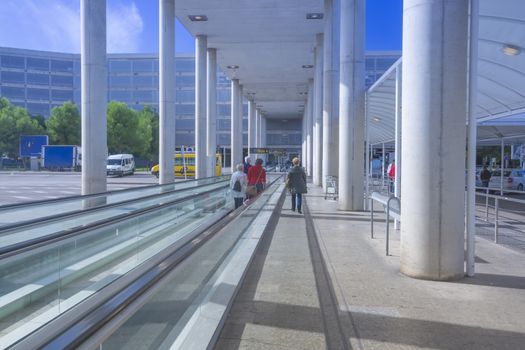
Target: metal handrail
[(101, 194), (375, 196), (96, 316), (38, 242), (61, 216)]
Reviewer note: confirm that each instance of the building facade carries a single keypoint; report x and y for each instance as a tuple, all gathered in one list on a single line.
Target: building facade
[(41, 80)]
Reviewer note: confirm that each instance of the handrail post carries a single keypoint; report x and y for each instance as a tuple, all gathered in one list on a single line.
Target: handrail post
[(371, 218), (387, 224), (496, 218), (487, 206)]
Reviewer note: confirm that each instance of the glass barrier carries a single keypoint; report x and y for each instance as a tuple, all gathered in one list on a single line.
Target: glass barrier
[(19, 213), (161, 320), (82, 219), (38, 285)]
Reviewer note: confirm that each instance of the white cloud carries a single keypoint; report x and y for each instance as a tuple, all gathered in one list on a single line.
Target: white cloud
[(54, 25)]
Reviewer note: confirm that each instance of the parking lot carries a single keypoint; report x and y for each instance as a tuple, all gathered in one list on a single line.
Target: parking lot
[(16, 187)]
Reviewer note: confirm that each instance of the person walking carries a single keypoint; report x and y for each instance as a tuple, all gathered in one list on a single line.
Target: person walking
[(257, 177), (392, 175), (296, 183), (238, 184), (247, 164), (485, 176)]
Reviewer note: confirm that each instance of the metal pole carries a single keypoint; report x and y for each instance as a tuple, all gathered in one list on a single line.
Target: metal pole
[(371, 218), (383, 168), (496, 217), (367, 145), (387, 224), (487, 206), (502, 165), (472, 137)]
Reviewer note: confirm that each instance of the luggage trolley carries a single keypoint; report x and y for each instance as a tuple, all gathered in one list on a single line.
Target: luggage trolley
[(331, 187)]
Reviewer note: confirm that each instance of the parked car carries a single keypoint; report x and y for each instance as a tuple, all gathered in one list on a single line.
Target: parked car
[(120, 164), (513, 179)]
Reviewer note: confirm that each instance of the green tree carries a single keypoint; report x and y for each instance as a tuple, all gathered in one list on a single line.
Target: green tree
[(126, 132), (63, 125), (151, 117), (40, 120), (15, 121)]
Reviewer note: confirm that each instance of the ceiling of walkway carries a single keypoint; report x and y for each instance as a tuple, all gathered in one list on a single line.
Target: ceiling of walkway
[(269, 41), (501, 74)]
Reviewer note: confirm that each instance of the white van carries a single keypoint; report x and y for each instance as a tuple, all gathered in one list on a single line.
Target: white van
[(120, 164)]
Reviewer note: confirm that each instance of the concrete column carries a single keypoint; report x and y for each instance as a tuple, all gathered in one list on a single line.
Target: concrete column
[(211, 112), (166, 90), (251, 127), (318, 113), (309, 128), (330, 90), (263, 137), (94, 95), (257, 127), (201, 46), (352, 105), (236, 125), (435, 41), (398, 125), (303, 137)]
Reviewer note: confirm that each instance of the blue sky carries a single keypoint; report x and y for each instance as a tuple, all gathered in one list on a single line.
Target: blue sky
[(53, 25)]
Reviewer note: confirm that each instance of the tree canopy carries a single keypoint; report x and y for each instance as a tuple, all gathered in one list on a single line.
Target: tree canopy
[(63, 125)]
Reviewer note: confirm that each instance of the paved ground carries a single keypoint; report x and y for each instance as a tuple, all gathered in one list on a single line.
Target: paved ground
[(18, 187), (287, 302)]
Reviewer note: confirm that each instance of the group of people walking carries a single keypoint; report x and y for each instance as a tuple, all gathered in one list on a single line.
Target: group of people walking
[(250, 180)]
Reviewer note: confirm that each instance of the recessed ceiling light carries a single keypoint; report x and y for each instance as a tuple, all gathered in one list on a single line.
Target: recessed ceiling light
[(232, 66), (308, 66), (198, 18), (511, 50), (314, 16), (376, 119)]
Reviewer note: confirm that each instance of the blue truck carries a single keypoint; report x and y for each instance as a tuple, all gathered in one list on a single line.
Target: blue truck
[(61, 158)]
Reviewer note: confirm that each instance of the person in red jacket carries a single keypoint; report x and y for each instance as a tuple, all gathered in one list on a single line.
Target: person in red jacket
[(257, 175), (392, 175)]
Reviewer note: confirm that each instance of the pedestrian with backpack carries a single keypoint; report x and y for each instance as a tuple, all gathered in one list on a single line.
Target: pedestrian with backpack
[(238, 184), (296, 183)]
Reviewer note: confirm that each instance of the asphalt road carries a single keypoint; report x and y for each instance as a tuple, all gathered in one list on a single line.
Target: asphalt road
[(16, 187)]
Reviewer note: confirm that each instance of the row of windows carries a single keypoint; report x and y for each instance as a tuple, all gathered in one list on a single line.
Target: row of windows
[(283, 139), (31, 63), (148, 65), (36, 94), (188, 139), (36, 79)]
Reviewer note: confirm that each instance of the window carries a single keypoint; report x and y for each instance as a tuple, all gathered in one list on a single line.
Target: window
[(143, 96), (185, 81), (143, 80), (184, 139), (61, 80), (185, 110), (223, 139), (224, 110), (244, 124), (61, 66), (37, 79), (119, 66), (223, 124), (224, 95), (38, 94), (120, 81), (142, 66), (120, 96), (13, 92), (184, 124), (37, 64), (38, 109), (183, 96), (13, 77), (62, 95), (185, 65), (13, 62)]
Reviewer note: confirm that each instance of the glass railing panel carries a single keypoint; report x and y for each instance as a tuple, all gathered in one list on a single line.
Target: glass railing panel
[(41, 284), (43, 229), (159, 322), (30, 211)]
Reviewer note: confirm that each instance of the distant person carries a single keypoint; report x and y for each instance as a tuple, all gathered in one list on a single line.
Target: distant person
[(391, 171), (296, 183), (485, 176), (257, 176), (247, 164), (238, 183)]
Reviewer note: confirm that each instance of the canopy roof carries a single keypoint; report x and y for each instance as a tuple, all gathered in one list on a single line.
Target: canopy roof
[(501, 77)]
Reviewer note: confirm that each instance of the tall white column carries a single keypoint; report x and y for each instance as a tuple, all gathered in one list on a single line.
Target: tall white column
[(318, 113), (309, 128), (435, 41), (251, 127), (303, 137), (352, 105), (94, 95), (330, 90), (166, 90), (236, 125), (257, 127), (201, 46), (398, 125), (211, 112), (263, 137)]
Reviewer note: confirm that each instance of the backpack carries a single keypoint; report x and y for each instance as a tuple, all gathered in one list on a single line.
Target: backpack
[(237, 186)]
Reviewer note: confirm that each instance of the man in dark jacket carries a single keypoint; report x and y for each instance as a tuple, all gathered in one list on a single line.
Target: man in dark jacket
[(485, 176), (296, 182)]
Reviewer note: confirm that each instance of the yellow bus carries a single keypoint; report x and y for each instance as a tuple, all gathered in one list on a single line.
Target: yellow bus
[(189, 162)]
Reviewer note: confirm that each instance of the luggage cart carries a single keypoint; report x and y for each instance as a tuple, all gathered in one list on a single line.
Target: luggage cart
[(331, 188)]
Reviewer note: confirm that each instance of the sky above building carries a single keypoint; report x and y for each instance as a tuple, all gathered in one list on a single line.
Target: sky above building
[(54, 25)]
